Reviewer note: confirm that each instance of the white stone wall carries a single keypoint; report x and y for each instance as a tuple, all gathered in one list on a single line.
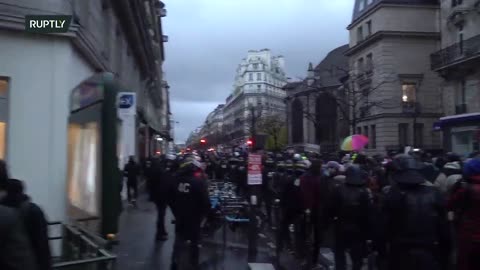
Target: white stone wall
[(40, 86)]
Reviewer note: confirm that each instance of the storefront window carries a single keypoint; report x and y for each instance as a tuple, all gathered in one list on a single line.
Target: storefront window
[(3, 115), (465, 140)]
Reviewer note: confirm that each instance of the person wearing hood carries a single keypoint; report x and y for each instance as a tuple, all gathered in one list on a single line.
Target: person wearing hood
[(15, 249), (132, 171), (465, 201), (34, 222), (450, 174), (350, 211), (414, 216)]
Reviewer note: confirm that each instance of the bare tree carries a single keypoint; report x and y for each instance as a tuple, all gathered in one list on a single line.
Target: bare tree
[(352, 95)]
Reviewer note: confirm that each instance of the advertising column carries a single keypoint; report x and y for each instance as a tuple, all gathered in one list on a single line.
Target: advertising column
[(127, 108)]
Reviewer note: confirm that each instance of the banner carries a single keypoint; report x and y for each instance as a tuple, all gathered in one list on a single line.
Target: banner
[(254, 169)]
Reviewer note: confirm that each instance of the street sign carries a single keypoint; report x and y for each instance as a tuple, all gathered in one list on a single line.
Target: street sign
[(254, 169)]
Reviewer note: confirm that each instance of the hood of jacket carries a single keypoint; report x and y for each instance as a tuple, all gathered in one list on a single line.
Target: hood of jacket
[(14, 200)]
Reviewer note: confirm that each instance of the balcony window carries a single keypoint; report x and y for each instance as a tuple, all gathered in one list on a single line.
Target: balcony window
[(259, 76), (255, 66), (409, 92), (250, 77), (359, 34)]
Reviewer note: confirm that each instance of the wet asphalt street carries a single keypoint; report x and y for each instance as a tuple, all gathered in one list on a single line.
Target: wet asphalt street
[(137, 249)]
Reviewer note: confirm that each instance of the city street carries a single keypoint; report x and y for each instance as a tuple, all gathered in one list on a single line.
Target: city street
[(137, 249)]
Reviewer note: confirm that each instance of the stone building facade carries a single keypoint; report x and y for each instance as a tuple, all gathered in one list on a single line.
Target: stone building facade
[(38, 72), (458, 62), (314, 119), (390, 44), (258, 84)]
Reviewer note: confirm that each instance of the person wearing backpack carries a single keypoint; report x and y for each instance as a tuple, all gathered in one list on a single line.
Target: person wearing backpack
[(34, 222), (465, 202), (350, 210), (415, 220)]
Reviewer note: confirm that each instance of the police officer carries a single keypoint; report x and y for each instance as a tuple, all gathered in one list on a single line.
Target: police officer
[(163, 177), (290, 202), (350, 209), (190, 204), (267, 176), (417, 231)]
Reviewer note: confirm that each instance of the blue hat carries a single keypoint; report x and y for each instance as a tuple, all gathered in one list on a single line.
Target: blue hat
[(472, 168)]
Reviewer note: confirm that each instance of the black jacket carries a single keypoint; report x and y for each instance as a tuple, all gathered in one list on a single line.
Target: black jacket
[(189, 201), (36, 227), (415, 216), (15, 250), (131, 171)]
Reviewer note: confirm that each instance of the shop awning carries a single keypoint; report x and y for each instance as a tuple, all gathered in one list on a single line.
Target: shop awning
[(466, 118)]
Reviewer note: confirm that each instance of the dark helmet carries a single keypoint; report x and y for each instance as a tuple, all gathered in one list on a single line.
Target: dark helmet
[(356, 176), (453, 157), (404, 162)]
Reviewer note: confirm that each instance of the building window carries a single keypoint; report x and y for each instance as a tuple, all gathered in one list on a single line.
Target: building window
[(259, 76), (456, 3), (3, 115), (403, 134), (369, 28), (369, 67), (460, 41), (460, 98), (361, 5), (359, 34), (409, 92), (250, 76), (255, 66), (369, 2), (418, 135), (259, 87), (373, 136), (361, 66), (359, 130), (365, 132)]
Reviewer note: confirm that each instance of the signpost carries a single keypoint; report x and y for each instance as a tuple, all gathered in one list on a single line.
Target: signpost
[(254, 169)]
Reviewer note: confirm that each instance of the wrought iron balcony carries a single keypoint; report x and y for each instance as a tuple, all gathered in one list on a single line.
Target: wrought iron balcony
[(410, 107), (458, 53)]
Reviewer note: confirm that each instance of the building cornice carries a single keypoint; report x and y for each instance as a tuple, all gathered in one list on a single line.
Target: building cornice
[(382, 5), (389, 34)]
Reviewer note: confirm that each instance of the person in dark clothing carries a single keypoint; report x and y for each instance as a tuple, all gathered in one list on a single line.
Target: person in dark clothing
[(350, 208), (189, 201), (163, 174), (15, 250), (131, 171), (267, 193), (465, 202), (34, 221), (312, 204), (416, 227)]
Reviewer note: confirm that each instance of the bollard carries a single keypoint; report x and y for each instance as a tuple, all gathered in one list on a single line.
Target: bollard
[(277, 230), (252, 239), (306, 234)]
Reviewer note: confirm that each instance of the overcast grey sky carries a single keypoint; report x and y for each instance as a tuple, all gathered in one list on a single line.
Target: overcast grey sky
[(208, 39)]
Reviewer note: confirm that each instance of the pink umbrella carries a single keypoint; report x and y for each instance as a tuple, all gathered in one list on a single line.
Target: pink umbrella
[(354, 143)]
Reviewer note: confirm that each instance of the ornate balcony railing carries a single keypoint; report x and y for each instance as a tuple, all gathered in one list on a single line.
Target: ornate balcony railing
[(457, 53)]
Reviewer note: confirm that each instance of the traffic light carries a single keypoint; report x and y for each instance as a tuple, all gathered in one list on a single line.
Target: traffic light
[(203, 141), (250, 142)]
